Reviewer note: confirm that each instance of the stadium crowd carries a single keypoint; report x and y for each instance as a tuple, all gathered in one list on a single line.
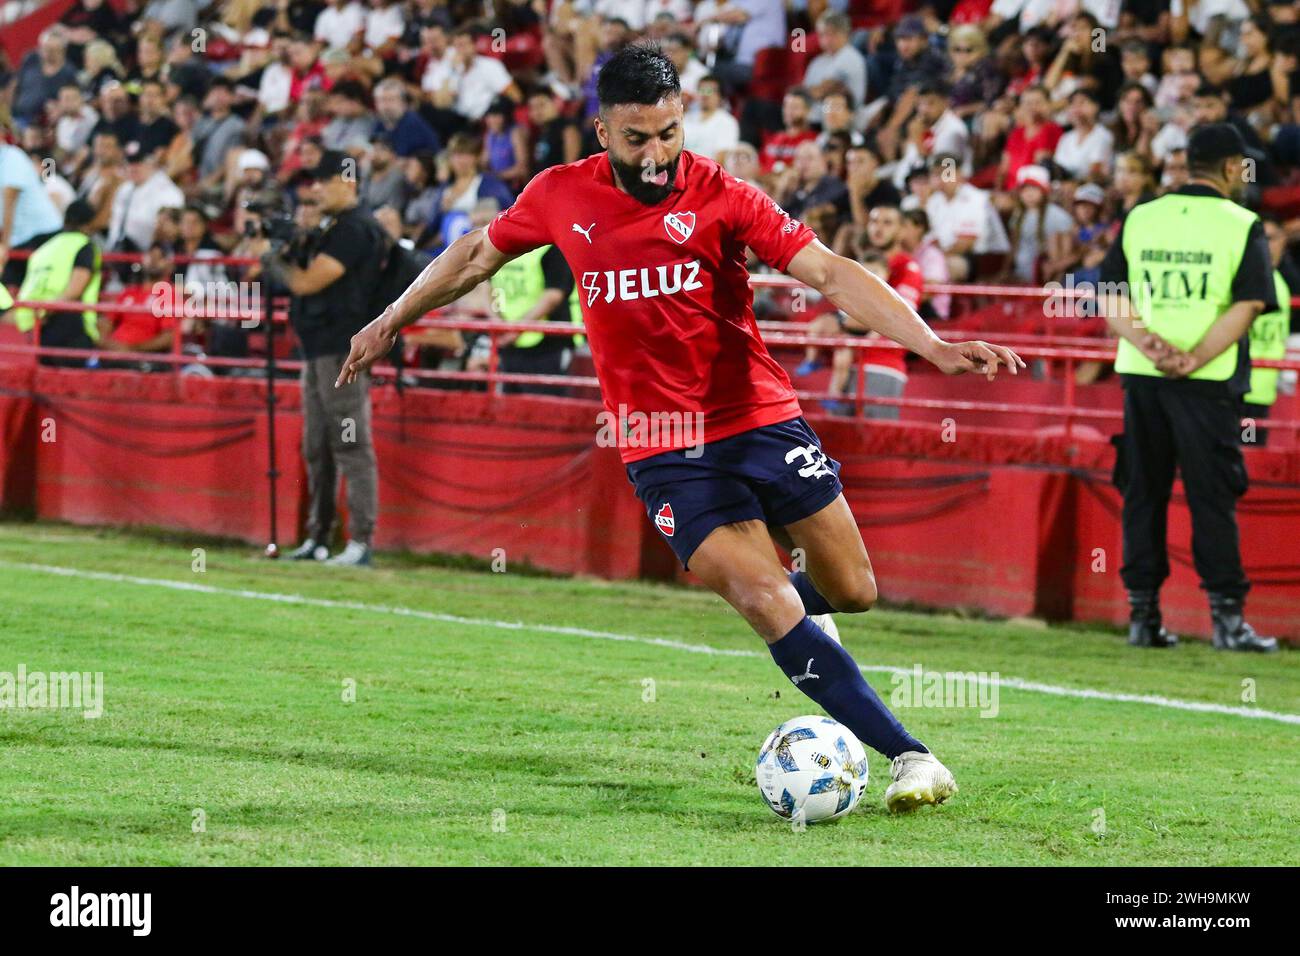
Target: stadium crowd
[(990, 141)]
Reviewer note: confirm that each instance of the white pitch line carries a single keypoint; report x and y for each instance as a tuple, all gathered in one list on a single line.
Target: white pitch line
[(1013, 683)]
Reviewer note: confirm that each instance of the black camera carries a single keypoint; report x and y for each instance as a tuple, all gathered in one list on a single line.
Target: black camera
[(279, 227)]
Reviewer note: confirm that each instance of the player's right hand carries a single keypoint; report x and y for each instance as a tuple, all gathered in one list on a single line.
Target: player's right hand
[(368, 346)]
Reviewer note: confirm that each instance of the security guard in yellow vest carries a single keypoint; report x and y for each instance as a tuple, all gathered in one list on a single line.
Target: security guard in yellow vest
[(536, 287), (1195, 273), (1268, 335), (67, 267)]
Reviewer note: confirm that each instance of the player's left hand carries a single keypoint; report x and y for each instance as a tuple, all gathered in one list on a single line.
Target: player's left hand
[(957, 358), (368, 346)]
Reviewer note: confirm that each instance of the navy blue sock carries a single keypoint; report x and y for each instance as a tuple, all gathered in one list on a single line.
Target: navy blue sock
[(825, 672), (813, 602)]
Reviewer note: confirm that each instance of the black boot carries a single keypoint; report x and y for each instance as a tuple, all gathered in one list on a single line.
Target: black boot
[(1231, 632), (1144, 627)]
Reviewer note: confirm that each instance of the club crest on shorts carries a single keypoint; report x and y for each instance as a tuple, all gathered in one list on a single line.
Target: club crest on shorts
[(679, 226), (664, 520)]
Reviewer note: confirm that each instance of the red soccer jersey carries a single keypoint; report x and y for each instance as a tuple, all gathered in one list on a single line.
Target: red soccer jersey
[(664, 291), (906, 278), (134, 328), (780, 148)]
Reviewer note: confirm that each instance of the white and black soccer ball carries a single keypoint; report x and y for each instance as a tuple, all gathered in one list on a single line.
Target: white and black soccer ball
[(811, 769)]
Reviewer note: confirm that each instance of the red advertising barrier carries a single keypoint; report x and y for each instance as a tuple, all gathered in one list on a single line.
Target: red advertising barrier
[(1013, 523)]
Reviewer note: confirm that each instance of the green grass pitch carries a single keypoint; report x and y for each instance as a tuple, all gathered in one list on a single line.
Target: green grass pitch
[(477, 743)]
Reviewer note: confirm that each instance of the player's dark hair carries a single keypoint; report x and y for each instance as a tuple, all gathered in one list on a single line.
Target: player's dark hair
[(917, 217), (638, 73)]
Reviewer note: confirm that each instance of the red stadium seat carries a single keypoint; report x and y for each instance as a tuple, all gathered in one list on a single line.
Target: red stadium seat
[(771, 68), (523, 52), (797, 61), (867, 14)]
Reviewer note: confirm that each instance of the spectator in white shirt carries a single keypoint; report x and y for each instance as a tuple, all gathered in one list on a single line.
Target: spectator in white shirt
[(711, 129), (385, 24), (136, 204), (839, 62), (962, 218), (440, 62), (1086, 150), (677, 47), (340, 23), (276, 84), (76, 119), (935, 128), (479, 79)]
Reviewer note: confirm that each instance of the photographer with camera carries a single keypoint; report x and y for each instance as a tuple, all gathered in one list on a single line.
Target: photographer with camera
[(330, 271)]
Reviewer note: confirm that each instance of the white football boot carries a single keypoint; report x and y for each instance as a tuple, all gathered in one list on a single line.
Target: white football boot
[(355, 555), (827, 623), (918, 778)]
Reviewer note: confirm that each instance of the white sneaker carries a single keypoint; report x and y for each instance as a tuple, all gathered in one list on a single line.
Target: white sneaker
[(354, 555), (918, 778), (827, 623), (309, 550)]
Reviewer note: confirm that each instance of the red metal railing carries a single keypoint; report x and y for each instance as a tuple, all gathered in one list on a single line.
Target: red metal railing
[(1061, 351)]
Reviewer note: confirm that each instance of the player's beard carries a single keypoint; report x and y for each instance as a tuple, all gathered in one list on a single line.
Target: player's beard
[(631, 176)]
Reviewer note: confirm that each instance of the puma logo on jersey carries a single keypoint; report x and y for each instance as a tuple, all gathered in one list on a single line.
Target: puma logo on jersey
[(629, 284), (586, 232), (807, 673)]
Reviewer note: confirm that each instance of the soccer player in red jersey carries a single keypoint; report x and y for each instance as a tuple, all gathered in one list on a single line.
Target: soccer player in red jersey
[(656, 236)]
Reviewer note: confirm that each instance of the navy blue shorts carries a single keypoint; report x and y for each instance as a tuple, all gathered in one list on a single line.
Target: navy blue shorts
[(777, 474)]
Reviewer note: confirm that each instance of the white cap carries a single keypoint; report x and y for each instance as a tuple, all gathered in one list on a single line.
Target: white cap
[(253, 159)]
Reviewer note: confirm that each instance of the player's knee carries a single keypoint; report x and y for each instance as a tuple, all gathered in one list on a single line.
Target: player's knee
[(856, 596), (761, 602)]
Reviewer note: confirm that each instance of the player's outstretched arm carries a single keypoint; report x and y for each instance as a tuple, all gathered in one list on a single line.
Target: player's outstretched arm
[(871, 304), (459, 268)]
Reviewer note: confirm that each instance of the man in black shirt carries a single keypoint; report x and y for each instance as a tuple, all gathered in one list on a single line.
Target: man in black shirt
[(1195, 271), (331, 292), (558, 139), (156, 128)]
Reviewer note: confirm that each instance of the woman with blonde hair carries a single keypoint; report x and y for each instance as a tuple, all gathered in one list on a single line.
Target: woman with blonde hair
[(976, 80), (101, 66)]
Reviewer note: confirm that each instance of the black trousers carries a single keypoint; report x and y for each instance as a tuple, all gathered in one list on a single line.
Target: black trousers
[(535, 361), (64, 330), (1259, 413), (1168, 425)]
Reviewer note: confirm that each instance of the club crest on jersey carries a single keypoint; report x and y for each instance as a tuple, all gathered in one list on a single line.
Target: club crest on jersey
[(679, 226), (664, 520)]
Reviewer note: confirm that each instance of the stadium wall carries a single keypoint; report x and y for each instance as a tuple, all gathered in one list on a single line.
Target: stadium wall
[(1010, 522)]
